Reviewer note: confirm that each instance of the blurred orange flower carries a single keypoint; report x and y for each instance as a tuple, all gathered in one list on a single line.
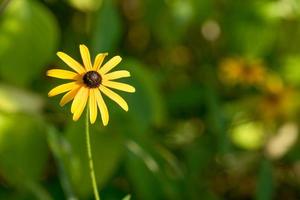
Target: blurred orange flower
[(278, 100), (239, 71)]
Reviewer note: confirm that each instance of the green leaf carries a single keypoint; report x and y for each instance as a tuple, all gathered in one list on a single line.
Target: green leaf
[(244, 33), (59, 151), (127, 197), (107, 28), (86, 5), (146, 106), (153, 170), (178, 104), (244, 25), (290, 69), (36, 189), (203, 9), (15, 100), (264, 189), (23, 148), (144, 182), (28, 37), (249, 135)]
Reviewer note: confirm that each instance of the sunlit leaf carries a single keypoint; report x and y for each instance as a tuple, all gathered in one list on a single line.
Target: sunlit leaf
[(28, 37), (86, 5), (248, 135), (23, 148), (290, 70), (17, 100), (127, 197)]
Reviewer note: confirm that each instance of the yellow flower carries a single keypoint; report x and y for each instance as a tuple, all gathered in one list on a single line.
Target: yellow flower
[(89, 82)]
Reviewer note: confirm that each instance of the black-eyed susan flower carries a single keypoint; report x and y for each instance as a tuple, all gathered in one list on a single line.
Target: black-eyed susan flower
[(89, 82)]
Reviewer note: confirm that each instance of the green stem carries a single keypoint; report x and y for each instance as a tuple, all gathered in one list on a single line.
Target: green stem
[(88, 143)]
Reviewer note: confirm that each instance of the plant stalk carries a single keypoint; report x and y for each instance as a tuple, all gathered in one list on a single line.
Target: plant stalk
[(91, 163)]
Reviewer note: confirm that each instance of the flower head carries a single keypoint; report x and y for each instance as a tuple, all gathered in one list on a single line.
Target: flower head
[(89, 82)]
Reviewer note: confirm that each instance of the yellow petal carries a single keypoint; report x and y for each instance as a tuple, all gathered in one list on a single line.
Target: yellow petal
[(80, 102), (69, 96), (116, 75), (119, 86), (115, 97), (62, 88), (63, 74), (93, 106), (81, 92), (110, 64), (102, 107), (99, 60), (86, 58), (71, 62)]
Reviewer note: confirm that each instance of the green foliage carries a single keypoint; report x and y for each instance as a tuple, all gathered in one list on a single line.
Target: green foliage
[(23, 148), (265, 183), (217, 85), (107, 149), (127, 197), (86, 5), (106, 28), (28, 34), (147, 107), (249, 135), (14, 100)]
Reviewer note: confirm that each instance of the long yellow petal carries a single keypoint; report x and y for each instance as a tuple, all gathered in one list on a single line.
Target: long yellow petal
[(62, 88), (69, 96), (93, 105), (86, 57), (119, 86), (81, 102), (110, 64), (77, 99), (63, 74), (71, 62), (115, 97), (102, 107), (116, 75), (99, 60)]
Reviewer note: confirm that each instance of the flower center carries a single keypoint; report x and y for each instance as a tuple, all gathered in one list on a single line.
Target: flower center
[(92, 79)]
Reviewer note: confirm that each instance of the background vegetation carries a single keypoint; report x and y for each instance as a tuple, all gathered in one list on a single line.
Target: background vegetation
[(215, 115)]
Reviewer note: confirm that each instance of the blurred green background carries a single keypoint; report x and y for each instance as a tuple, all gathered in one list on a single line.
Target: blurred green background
[(216, 114)]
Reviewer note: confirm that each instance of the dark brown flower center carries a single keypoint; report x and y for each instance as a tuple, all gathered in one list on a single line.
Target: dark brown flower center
[(92, 79)]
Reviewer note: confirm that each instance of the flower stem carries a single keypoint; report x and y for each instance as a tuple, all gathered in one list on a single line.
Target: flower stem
[(91, 164)]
